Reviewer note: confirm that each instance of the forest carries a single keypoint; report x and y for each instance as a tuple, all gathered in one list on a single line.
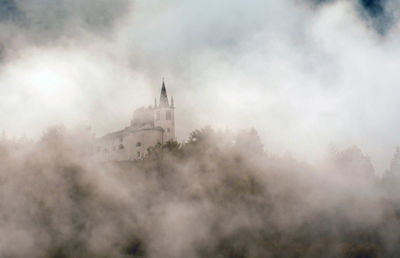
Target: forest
[(217, 194)]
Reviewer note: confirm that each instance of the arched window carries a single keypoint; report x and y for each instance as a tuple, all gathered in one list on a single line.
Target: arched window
[(138, 144), (168, 115)]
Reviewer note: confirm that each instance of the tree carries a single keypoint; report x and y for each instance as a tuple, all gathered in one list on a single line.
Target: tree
[(394, 171), (250, 142), (353, 162), (204, 135)]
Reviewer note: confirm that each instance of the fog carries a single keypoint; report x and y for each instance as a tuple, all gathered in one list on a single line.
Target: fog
[(316, 79), (205, 198), (325, 71)]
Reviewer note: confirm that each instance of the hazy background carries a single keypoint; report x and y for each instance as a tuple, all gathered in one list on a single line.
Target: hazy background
[(305, 74)]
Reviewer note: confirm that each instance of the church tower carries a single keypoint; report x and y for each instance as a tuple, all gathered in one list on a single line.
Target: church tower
[(164, 115)]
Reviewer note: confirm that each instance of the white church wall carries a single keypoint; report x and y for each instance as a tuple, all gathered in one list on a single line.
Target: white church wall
[(137, 144), (165, 118), (149, 127)]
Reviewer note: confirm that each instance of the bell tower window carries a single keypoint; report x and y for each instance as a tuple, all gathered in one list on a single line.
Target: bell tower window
[(168, 115)]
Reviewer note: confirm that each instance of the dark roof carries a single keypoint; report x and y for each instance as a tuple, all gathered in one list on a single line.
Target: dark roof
[(128, 130), (163, 96), (113, 135)]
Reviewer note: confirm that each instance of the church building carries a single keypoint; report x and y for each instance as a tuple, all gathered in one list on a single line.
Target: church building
[(149, 126)]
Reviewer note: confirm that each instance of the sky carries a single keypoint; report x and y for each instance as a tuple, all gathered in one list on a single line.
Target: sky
[(306, 74)]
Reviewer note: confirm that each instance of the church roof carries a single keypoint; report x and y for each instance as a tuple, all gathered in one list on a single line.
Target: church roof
[(113, 135), (163, 96), (128, 130)]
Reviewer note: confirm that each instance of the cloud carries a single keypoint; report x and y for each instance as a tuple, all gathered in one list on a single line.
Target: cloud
[(322, 70), (305, 74), (48, 23)]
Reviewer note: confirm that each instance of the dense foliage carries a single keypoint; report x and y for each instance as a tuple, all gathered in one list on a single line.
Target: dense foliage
[(216, 195)]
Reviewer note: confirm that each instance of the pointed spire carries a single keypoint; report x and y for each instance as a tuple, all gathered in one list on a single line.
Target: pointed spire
[(163, 96), (172, 101)]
